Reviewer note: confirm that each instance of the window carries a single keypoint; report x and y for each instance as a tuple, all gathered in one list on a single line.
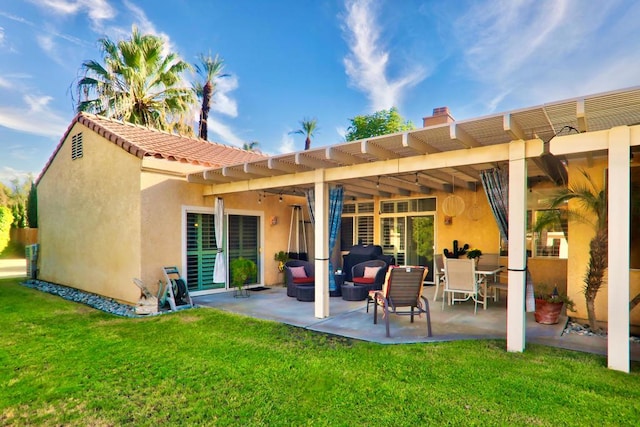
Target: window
[(356, 225), (427, 204), (76, 146)]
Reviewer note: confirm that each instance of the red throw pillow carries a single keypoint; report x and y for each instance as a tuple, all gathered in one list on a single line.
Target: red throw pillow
[(364, 280)]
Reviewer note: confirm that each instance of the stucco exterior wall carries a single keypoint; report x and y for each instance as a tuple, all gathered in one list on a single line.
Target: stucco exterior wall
[(162, 200), (89, 218), (579, 237)]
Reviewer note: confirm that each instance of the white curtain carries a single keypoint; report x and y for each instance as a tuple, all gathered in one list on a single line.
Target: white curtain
[(220, 270)]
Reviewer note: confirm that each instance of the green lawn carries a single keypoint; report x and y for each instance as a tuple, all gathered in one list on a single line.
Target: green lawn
[(66, 364)]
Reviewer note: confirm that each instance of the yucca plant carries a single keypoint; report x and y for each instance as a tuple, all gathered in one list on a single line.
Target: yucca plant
[(591, 209)]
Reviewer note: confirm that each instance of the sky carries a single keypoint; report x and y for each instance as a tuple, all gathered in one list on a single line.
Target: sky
[(289, 60)]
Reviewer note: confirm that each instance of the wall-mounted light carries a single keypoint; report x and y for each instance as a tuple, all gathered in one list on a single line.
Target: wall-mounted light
[(378, 182), (259, 198), (280, 198)]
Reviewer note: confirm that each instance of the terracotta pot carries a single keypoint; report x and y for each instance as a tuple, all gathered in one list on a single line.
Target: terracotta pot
[(547, 313)]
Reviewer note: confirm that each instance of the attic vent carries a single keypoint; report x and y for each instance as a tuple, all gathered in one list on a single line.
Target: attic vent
[(76, 146)]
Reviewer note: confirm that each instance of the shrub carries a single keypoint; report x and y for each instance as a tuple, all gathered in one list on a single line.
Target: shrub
[(6, 219)]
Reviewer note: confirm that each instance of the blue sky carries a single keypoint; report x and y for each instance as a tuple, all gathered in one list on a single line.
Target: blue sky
[(328, 59)]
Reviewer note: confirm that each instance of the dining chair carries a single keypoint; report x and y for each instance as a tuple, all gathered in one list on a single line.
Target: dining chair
[(461, 278), (438, 275)]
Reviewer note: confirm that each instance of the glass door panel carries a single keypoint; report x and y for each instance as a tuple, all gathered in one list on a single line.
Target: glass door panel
[(243, 240)]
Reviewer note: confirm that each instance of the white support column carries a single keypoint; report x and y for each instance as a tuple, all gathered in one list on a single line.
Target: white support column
[(516, 320), (618, 284), (321, 231)]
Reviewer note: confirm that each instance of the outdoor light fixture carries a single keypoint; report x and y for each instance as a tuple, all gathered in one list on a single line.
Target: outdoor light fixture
[(378, 182), (280, 198), (417, 182)]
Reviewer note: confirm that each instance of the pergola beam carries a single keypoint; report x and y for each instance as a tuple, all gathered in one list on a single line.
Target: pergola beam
[(457, 134), (341, 157), (368, 147), (312, 162), (417, 145), (512, 128), (276, 164)]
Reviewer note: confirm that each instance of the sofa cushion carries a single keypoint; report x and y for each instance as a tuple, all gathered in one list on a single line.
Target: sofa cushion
[(364, 280), (303, 280), (298, 272)]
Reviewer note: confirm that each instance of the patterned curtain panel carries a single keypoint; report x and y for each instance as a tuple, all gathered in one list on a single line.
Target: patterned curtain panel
[(310, 204), (336, 201), (220, 269), (496, 187)]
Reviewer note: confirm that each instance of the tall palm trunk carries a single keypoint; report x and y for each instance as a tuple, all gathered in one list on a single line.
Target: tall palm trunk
[(207, 90), (595, 274), (307, 143)]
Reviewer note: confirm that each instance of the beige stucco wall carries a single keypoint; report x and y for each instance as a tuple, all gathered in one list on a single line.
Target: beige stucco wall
[(163, 198), (89, 218), (579, 237)]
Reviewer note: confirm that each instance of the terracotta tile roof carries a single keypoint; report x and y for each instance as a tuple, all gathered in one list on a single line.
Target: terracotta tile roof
[(142, 141)]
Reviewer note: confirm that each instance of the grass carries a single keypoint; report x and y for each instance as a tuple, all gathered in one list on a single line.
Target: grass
[(62, 363)]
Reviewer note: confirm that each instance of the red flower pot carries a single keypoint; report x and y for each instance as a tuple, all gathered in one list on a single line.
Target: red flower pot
[(547, 313)]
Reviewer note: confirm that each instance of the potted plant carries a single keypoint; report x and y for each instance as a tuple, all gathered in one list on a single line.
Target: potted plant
[(549, 304), (242, 270), (474, 254), (281, 257)]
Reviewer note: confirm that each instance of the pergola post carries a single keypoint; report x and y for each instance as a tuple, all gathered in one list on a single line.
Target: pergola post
[(516, 320), (618, 283), (321, 231)]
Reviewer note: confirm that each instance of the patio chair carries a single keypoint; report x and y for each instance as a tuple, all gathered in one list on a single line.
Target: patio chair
[(438, 275), (369, 274), (403, 289), (461, 278), (298, 272)]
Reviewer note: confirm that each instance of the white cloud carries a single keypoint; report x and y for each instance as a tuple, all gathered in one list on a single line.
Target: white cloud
[(222, 102), (366, 64), (342, 133), (1, 36), (287, 143), (533, 51), (97, 10), (145, 26), (33, 118), (8, 174), (224, 132)]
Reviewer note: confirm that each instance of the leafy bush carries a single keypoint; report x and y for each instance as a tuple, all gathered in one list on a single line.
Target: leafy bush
[(6, 219)]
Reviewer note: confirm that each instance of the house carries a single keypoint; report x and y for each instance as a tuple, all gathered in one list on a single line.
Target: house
[(118, 201)]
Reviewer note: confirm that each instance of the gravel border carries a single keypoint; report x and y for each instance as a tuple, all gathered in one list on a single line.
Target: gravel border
[(98, 302)]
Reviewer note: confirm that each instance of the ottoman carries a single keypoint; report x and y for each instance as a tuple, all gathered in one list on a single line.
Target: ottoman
[(306, 293), (354, 292)]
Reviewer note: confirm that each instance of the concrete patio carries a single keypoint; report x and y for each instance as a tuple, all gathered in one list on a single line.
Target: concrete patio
[(350, 319)]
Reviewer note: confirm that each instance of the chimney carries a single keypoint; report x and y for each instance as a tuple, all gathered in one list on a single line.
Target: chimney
[(441, 115)]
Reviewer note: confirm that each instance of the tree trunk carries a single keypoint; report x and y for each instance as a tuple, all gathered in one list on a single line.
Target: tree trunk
[(204, 110), (595, 274), (307, 143)]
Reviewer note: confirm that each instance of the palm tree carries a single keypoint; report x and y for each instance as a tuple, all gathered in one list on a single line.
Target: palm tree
[(138, 83), (592, 202), (307, 128), (209, 69), (251, 146)]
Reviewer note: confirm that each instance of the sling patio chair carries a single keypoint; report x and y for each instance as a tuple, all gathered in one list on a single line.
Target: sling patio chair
[(403, 289), (460, 278)]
